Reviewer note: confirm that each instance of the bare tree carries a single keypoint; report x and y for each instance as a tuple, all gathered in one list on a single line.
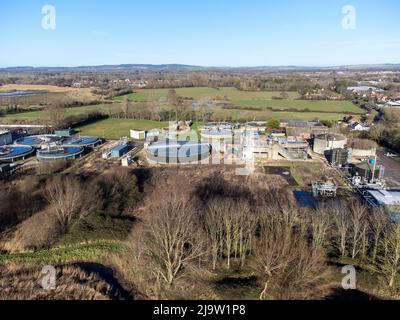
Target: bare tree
[(378, 222), (230, 226), (286, 262), (340, 216), (321, 225), (55, 114), (389, 261), (125, 106), (173, 97), (273, 252), (65, 195), (357, 221), (171, 239)]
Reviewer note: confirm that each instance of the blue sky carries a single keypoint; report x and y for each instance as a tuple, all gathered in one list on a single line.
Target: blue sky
[(199, 32)]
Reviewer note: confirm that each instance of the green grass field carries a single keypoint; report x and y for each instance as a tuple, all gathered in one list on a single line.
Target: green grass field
[(77, 252), (118, 128), (252, 99), (35, 115)]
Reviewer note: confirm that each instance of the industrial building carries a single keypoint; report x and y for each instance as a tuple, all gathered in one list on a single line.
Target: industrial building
[(362, 148), (324, 189), (368, 172), (389, 199), (138, 134), (117, 151), (65, 132), (5, 137), (304, 129)]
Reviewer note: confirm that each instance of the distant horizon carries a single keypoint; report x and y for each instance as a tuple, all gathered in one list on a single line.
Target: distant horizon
[(200, 66)]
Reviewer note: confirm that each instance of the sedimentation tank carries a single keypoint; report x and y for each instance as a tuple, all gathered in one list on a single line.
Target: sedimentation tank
[(38, 141), (217, 135), (176, 152), (87, 142), (13, 153), (330, 141), (59, 153)]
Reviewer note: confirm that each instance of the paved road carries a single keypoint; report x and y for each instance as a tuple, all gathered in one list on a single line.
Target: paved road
[(392, 168)]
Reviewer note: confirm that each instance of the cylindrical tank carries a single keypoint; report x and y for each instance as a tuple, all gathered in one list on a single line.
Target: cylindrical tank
[(337, 157), (59, 153), (330, 141), (178, 152)]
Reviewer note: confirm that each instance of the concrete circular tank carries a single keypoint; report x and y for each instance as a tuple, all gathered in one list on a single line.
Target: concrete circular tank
[(59, 153), (38, 141), (178, 152), (87, 142), (217, 135), (330, 141), (11, 153)]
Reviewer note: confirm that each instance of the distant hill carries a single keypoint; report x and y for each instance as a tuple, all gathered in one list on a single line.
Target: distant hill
[(185, 68)]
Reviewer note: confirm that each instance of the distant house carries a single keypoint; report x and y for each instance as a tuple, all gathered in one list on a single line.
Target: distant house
[(392, 104), (364, 89), (356, 126)]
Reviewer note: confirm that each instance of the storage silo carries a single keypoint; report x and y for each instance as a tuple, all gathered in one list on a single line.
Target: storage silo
[(337, 157), (330, 141)]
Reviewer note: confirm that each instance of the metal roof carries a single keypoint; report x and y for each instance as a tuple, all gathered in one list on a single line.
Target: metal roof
[(386, 197)]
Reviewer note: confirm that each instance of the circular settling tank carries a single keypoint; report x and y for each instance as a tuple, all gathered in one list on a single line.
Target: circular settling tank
[(325, 142), (37, 141), (217, 138), (13, 153), (87, 142), (59, 153), (177, 152), (217, 134)]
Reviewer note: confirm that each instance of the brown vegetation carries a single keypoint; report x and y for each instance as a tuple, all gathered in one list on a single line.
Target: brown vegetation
[(73, 282)]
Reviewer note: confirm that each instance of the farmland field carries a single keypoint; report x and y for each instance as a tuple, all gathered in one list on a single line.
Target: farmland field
[(35, 115), (118, 128), (252, 99)]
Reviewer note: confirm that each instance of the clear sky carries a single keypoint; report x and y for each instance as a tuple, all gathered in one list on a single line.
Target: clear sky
[(199, 32)]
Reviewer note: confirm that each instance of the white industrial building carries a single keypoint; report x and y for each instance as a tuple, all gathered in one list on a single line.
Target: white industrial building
[(138, 134), (5, 137)]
